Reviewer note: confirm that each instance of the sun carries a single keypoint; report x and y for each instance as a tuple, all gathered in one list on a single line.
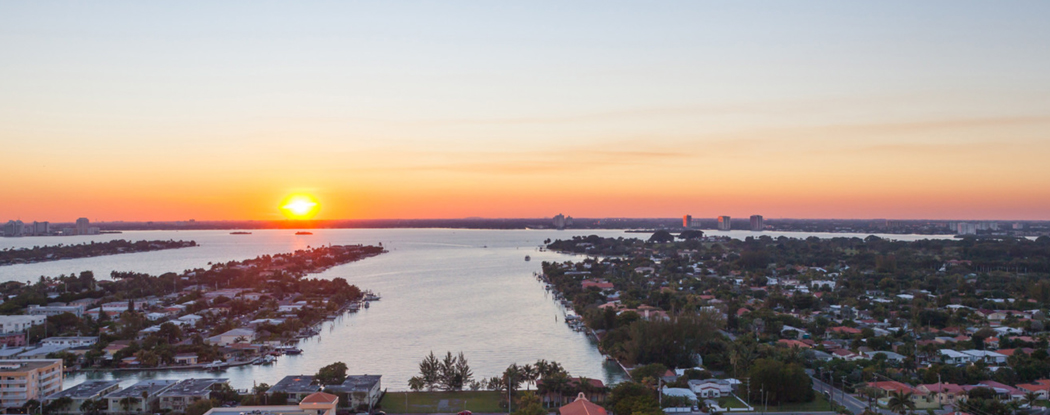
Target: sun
[(300, 206)]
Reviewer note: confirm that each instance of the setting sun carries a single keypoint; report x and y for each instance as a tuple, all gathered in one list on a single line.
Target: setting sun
[(300, 207)]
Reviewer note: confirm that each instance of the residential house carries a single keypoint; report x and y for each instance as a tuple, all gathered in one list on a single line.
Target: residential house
[(711, 388), (582, 406)]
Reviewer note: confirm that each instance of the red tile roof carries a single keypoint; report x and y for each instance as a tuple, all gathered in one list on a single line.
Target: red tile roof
[(320, 397), (581, 406)]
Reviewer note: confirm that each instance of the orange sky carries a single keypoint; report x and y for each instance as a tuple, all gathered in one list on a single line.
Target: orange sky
[(148, 112)]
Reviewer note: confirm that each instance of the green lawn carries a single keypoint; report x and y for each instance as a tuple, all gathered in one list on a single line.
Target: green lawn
[(730, 402), (434, 402), (819, 404)]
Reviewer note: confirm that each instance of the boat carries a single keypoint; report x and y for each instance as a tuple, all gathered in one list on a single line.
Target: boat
[(240, 233), (370, 296), (304, 233), (528, 258), (265, 360), (216, 365), (293, 351)]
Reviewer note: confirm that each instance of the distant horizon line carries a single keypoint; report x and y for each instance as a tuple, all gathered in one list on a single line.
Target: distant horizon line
[(547, 218)]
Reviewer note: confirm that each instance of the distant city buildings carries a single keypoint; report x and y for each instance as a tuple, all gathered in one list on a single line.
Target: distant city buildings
[(17, 228), (687, 221), (724, 223), (561, 221), (757, 223), (965, 228)]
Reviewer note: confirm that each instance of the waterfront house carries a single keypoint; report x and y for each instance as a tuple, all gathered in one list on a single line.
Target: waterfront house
[(240, 335), (137, 398), (186, 359)]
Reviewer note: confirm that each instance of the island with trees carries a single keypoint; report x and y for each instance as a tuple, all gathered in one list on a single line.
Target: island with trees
[(85, 250)]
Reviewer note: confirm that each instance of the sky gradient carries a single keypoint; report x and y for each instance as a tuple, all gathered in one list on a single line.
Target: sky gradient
[(172, 111)]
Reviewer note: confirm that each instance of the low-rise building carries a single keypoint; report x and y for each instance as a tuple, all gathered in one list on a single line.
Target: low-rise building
[(233, 336), (69, 342), (358, 391), (295, 387), (186, 392), (28, 379), (15, 324), (54, 310), (87, 391), (711, 388), (318, 403), (138, 397)]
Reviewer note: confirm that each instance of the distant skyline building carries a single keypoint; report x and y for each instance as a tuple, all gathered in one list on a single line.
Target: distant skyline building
[(725, 223), (966, 228), (757, 223), (83, 224), (14, 228), (687, 221), (560, 221)]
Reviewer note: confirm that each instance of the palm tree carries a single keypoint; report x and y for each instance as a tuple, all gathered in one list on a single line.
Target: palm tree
[(900, 402), (529, 374), (1030, 398)]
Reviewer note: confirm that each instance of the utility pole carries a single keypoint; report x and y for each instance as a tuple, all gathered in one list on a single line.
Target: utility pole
[(843, 390)]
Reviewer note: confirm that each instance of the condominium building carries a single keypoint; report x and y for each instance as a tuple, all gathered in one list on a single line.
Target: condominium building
[(22, 380), (757, 223), (724, 223), (687, 221), (138, 397), (186, 392), (88, 391)]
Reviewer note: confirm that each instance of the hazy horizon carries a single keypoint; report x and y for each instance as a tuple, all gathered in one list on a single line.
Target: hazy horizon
[(169, 111)]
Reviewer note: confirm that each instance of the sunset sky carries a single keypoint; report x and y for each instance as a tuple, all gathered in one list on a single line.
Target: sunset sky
[(179, 110)]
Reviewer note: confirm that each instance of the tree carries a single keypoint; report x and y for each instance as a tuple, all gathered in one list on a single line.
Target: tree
[(1030, 398), (661, 236), (780, 382), (416, 383), (631, 398), (332, 374), (900, 402), (529, 404), (200, 407), (429, 370)]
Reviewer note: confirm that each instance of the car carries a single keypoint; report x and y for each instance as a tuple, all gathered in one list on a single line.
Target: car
[(465, 413)]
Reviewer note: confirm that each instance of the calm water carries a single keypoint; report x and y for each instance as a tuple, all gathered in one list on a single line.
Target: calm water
[(443, 289)]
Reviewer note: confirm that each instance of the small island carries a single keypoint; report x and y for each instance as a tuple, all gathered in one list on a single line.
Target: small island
[(85, 250)]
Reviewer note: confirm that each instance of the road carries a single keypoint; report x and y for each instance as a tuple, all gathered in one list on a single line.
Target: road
[(854, 405)]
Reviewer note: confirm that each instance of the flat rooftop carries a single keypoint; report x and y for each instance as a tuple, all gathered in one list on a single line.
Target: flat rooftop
[(261, 410), (192, 387), (295, 384), (151, 387), (86, 390), (8, 366), (357, 383)]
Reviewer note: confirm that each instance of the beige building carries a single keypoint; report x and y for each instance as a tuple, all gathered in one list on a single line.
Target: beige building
[(22, 380)]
